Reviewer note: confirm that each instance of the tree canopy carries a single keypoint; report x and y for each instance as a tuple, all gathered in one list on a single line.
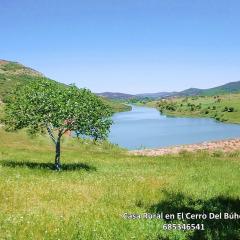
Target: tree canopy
[(45, 105)]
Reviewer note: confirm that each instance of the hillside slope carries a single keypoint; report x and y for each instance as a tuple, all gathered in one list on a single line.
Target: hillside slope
[(232, 87), (13, 73)]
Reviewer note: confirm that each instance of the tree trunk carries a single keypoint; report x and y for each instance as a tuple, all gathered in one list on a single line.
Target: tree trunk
[(57, 156)]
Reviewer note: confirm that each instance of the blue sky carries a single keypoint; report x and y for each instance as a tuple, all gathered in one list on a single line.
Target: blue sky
[(132, 46)]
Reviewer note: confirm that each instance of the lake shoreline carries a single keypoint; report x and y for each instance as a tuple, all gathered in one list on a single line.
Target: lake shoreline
[(144, 127), (223, 108), (229, 145)]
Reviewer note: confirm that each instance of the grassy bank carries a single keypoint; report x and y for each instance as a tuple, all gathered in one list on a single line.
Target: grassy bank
[(117, 106), (100, 183), (225, 108)]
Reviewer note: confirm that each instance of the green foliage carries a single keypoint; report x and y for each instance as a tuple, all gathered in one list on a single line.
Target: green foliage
[(42, 104), (139, 100), (228, 109), (13, 74), (116, 106), (8, 82), (166, 105), (225, 108), (46, 105)]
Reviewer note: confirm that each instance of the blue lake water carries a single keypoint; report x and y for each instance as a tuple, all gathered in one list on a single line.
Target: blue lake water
[(145, 127)]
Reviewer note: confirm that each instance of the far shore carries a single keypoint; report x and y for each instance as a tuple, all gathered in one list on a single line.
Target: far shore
[(229, 145)]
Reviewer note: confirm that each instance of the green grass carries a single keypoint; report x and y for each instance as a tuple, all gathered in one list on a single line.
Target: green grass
[(1, 112), (203, 106), (117, 106), (101, 182)]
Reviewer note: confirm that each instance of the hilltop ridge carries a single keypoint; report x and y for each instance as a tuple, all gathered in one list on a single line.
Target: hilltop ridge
[(231, 87)]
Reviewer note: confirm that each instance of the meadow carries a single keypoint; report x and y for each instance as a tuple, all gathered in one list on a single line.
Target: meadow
[(99, 183), (224, 108)]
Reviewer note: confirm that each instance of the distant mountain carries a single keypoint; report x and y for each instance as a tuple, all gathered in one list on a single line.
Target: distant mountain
[(12, 73), (155, 95), (116, 95), (125, 96), (190, 92), (231, 87)]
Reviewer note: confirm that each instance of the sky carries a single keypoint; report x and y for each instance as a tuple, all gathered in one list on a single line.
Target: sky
[(134, 46)]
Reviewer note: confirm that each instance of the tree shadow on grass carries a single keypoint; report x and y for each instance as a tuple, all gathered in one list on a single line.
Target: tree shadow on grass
[(215, 229), (49, 166)]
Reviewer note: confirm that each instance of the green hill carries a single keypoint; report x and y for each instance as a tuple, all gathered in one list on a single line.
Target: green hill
[(13, 73), (232, 87)]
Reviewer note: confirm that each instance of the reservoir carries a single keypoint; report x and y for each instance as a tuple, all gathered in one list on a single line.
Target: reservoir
[(145, 127)]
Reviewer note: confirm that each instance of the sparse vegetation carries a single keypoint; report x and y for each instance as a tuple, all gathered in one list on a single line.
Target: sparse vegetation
[(225, 108)]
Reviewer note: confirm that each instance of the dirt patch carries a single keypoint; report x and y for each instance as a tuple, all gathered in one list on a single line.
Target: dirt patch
[(3, 62), (223, 145)]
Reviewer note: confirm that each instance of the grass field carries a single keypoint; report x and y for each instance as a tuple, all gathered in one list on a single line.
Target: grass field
[(225, 108), (99, 183)]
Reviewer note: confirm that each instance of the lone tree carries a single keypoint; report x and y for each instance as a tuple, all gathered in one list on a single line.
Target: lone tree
[(47, 106)]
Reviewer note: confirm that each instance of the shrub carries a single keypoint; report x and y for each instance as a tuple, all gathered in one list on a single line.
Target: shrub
[(218, 153), (225, 109)]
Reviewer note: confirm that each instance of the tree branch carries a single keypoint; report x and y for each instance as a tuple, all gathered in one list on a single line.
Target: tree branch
[(51, 134), (61, 132), (65, 131)]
